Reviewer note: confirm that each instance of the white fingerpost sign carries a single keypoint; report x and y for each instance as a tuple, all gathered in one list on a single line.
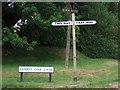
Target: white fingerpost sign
[(35, 69), (90, 22), (66, 23)]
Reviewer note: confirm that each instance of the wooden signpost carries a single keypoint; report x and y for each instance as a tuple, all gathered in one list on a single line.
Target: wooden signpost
[(73, 23), (68, 44)]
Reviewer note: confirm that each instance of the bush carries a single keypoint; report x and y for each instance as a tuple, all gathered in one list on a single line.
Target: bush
[(96, 47)]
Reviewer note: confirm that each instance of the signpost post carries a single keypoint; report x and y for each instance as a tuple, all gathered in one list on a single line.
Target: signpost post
[(67, 9), (68, 44), (74, 47)]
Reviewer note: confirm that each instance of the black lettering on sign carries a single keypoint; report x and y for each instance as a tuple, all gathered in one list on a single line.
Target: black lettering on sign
[(77, 22), (58, 23), (47, 69), (27, 69), (89, 22), (65, 23), (39, 69), (80, 22)]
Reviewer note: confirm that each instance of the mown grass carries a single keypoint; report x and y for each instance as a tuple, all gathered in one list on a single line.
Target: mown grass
[(91, 73)]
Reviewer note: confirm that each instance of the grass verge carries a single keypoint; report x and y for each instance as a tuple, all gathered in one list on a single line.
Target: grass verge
[(91, 73)]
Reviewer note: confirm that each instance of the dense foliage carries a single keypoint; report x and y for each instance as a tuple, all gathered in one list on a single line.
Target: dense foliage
[(99, 40)]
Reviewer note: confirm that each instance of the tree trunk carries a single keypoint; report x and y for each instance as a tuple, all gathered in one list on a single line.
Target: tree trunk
[(68, 44)]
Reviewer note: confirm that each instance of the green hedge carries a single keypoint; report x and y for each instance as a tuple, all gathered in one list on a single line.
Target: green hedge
[(98, 47)]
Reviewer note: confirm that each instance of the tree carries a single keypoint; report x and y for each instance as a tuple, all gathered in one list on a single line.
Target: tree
[(99, 40), (95, 41), (38, 29), (10, 36)]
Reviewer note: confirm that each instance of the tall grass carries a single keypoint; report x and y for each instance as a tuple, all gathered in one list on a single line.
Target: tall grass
[(90, 72)]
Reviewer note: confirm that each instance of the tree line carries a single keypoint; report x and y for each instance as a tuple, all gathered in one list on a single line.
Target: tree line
[(100, 40)]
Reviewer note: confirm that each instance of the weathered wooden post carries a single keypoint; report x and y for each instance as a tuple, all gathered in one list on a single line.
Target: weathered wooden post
[(74, 47), (74, 10), (67, 8), (68, 44)]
